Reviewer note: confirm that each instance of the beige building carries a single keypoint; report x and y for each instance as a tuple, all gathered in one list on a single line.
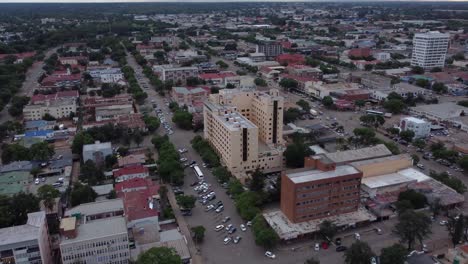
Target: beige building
[(56, 108), (245, 129)]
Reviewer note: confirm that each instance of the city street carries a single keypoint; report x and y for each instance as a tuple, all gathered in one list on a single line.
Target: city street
[(213, 250)]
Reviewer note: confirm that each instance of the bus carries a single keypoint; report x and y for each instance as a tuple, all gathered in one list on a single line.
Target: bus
[(373, 112), (198, 172)]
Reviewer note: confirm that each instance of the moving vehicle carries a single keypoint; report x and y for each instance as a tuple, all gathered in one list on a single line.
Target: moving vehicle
[(37, 181), (338, 241), (373, 112), (357, 236), (317, 247), (198, 172)]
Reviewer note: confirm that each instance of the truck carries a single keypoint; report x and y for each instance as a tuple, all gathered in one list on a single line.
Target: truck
[(313, 112)]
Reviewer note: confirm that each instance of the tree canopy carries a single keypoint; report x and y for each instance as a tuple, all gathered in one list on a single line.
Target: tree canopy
[(412, 226), (358, 253), (159, 255)]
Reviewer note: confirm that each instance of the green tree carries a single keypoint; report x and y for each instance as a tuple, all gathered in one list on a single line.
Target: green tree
[(137, 137), (198, 233), (435, 207), (14, 152), (111, 195), (419, 143), (418, 200), (47, 193), (288, 83), (463, 162), (304, 105), (221, 173), (456, 227), (182, 119), (360, 103), (41, 151), (258, 181), (415, 158), (407, 135), (186, 201), (417, 70), (403, 206), (327, 101), (328, 230), (222, 64), (358, 253), (412, 226), (82, 194), (439, 88), (235, 187), (295, 154), (80, 139), (372, 120), (394, 106), (260, 82), (364, 135), (90, 173), (291, 115), (159, 255), (152, 123), (264, 235), (422, 83), (394, 254), (17, 105), (247, 204), (393, 131)]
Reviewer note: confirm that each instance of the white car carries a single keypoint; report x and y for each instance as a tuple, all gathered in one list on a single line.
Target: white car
[(269, 254), (373, 260), (357, 236), (219, 228), (37, 181), (227, 240), (243, 228), (317, 247), (443, 222)]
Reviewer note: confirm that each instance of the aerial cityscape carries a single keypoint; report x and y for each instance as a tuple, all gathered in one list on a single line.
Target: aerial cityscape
[(234, 132)]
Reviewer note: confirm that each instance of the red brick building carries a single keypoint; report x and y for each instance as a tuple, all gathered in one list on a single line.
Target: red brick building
[(290, 59), (327, 190)]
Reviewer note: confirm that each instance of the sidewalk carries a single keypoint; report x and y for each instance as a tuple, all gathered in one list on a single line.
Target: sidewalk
[(184, 229)]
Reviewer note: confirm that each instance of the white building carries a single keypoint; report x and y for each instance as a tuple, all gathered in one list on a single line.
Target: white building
[(28, 243), (430, 49), (176, 74), (110, 75), (382, 56), (98, 241), (421, 128), (61, 108), (97, 152)]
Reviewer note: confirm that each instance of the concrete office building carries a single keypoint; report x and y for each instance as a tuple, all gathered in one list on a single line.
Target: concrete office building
[(420, 127), (308, 193), (271, 49), (28, 243), (430, 49), (245, 129), (176, 74), (99, 241), (97, 152)]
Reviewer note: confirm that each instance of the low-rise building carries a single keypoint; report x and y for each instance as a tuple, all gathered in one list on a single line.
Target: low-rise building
[(305, 71), (97, 152), (443, 112), (189, 96), (58, 105), (13, 182), (376, 82), (421, 128), (108, 75), (176, 74), (320, 89), (99, 241), (131, 172), (316, 193), (28, 243)]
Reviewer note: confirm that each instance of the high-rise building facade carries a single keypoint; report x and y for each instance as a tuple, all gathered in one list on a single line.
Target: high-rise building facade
[(328, 190), (430, 49), (245, 129), (271, 49)]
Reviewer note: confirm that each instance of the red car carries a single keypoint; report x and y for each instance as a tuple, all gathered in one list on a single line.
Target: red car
[(324, 245)]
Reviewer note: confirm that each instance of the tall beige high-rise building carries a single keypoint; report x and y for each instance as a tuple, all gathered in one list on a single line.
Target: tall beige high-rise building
[(245, 129)]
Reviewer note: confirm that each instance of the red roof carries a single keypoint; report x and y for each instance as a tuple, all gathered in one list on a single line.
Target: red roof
[(290, 58), (52, 79), (38, 98), (299, 78), (286, 44), (361, 52), (130, 170), (137, 203), (22, 55), (221, 75)]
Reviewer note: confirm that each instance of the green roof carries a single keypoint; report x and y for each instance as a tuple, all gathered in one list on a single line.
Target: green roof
[(14, 182)]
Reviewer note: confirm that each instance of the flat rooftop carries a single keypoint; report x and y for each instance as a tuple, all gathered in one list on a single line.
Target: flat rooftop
[(386, 180), (287, 230), (98, 228), (306, 175), (379, 160), (97, 207), (27, 232), (359, 154)]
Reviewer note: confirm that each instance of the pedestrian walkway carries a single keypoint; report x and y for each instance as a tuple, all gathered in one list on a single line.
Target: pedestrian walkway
[(196, 258)]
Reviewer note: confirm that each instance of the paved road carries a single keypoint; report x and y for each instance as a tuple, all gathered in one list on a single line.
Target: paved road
[(29, 84)]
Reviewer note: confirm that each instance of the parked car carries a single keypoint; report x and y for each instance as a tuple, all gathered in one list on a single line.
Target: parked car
[(237, 239), (338, 241), (269, 254), (37, 181), (226, 219), (227, 240), (341, 248), (357, 236), (317, 247), (243, 228), (232, 230), (220, 209), (219, 228)]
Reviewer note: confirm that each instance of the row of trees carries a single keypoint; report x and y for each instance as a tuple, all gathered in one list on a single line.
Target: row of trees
[(169, 167), (41, 151), (206, 152), (133, 87)]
